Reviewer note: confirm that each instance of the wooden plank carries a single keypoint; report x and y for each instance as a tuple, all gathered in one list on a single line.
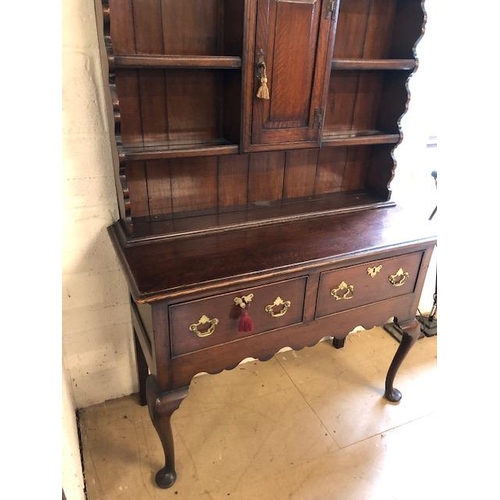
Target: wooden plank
[(369, 91), (194, 102), (265, 179), (373, 64), (300, 173), (153, 106), (351, 28), (233, 178), (148, 29), (122, 26), (341, 101), (194, 184), (378, 37), (127, 87), (357, 165), (136, 182), (190, 28), (330, 170), (173, 150), (159, 187), (172, 62)]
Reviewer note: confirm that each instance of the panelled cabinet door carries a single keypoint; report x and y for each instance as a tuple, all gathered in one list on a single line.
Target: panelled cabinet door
[(287, 65)]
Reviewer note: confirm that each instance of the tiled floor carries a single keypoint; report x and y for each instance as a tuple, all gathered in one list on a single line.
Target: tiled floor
[(306, 425)]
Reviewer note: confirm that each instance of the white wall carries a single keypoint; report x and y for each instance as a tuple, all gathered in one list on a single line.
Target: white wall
[(96, 328), (96, 323)]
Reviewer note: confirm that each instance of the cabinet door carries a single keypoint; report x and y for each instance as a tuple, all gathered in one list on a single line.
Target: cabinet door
[(289, 43)]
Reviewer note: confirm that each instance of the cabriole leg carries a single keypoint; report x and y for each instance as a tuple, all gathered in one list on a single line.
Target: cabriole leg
[(162, 405), (411, 334)]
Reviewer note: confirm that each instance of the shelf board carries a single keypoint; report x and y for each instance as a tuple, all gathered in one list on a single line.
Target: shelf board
[(253, 215), (373, 64), (174, 62), (174, 150), (358, 138)]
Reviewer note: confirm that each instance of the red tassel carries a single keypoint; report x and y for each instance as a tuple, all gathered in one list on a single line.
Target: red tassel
[(246, 323)]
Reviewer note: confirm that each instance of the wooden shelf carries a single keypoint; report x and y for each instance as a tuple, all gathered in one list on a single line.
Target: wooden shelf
[(373, 64), (173, 62), (196, 223), (173, 150), (358, 138)]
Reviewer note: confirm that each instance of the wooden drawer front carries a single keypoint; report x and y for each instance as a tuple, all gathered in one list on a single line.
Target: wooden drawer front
[(207, 322), (366, 283)]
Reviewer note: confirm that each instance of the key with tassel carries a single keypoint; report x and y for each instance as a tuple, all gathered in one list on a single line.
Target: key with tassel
[(263, 91), (245, 324)]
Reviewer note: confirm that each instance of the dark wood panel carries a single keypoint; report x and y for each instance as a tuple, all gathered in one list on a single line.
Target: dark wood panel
[(330, 171), (407, 28), (290, 81), (358, 163), (300, 173), (233, 180), (137, 185), (127, 86), (368, 94), (153, 106), (122, 26), (380, 170), (159, 187), (194, 184), (265, 179), (341, 101), (192, 27), (378, 38), (351, 29), (147, 26), (195, 105)]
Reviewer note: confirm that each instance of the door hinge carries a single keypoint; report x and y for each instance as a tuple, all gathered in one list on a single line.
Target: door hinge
[(319, 116), (330, 8)]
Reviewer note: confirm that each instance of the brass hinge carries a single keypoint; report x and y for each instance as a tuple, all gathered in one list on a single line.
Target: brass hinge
[(319, 116), (330, 8)]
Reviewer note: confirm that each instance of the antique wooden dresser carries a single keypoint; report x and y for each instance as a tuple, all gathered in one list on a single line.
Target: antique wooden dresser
[(254, 156)]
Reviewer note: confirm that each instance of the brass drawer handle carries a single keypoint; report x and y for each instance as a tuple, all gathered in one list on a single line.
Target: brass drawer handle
[(399, 278), (279, 302), (343, 291), (204, 320)]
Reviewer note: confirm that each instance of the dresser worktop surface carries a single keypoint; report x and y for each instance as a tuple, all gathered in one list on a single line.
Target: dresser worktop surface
[(163, 268)]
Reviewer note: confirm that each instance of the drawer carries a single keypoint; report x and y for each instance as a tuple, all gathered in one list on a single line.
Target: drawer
[(214, 320), (363, 284)]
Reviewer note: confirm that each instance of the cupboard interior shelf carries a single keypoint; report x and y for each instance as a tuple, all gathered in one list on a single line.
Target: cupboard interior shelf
[(173, 62), (374, 64)]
